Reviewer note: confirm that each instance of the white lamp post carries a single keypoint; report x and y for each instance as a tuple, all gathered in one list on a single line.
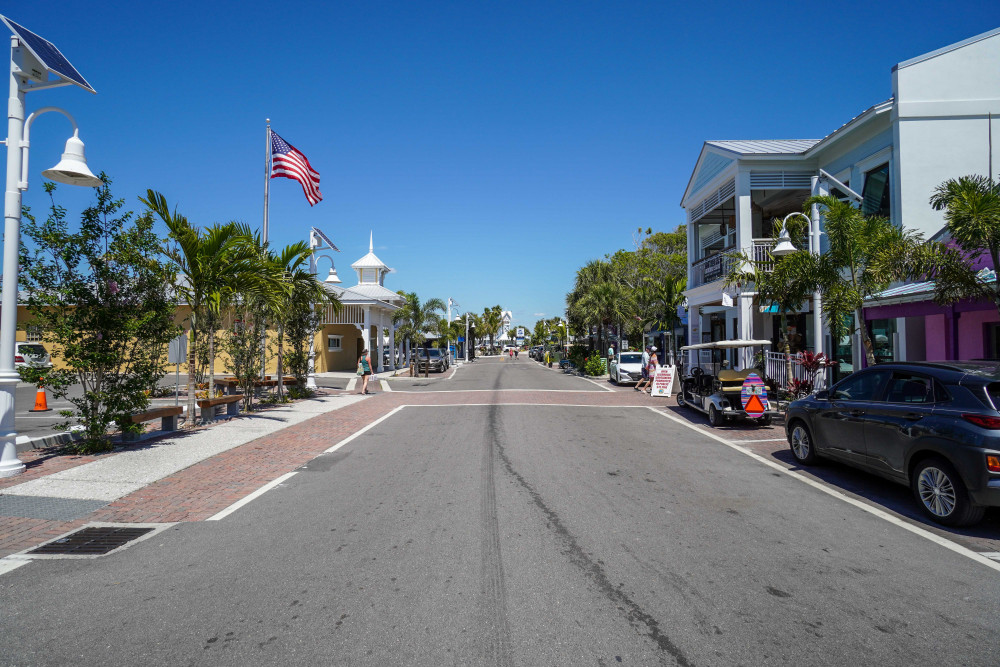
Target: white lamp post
[(316, 240), (72, 170), (785, 247)]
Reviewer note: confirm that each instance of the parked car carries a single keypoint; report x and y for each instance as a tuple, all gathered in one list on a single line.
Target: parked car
[(934, 427), (437, 360), (625, 367), (31, 354)]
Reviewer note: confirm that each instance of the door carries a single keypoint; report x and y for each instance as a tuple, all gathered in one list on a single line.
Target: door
[(893, 425), (839, 423)]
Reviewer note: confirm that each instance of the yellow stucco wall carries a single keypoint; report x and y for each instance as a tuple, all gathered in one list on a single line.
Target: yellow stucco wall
[(344, 360)]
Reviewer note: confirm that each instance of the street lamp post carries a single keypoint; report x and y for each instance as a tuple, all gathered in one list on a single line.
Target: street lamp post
[(72, 170), (785, 247)]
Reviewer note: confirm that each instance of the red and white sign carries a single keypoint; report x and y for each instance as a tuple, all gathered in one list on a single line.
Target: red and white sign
[(663, 381)]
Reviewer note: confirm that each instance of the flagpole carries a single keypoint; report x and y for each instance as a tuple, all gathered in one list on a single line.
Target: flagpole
[(267, 176), (267, 205)]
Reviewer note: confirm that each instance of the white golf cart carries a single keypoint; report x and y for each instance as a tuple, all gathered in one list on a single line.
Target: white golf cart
[(723, 393)]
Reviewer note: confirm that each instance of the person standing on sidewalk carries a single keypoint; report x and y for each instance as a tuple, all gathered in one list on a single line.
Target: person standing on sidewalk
[(365, 366)]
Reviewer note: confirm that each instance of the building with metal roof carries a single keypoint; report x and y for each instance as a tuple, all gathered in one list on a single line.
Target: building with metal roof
[(941, 122)]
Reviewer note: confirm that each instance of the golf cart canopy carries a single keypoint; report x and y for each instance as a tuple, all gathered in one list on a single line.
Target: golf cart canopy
[(726, 344)]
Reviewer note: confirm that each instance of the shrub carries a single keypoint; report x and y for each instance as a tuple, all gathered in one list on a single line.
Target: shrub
[(593, 365)]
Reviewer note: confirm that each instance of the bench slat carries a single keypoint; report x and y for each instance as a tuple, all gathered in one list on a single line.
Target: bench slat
[(156, 413)]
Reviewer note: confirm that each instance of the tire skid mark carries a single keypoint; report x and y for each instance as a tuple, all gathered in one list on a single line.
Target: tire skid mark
[(497, 650), (636, 616)]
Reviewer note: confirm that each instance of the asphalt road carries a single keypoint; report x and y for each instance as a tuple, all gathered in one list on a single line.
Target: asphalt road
[(517, 535)]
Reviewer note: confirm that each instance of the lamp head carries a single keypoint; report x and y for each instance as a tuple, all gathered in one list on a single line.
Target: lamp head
[(332, 277), (72, 168), (784, 245)]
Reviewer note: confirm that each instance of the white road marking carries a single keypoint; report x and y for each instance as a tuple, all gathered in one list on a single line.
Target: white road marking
[(602, 385), (921, 532), (385, 385), (8, 564), (761, 440), (246, 499), (352, 383), (364, 430)]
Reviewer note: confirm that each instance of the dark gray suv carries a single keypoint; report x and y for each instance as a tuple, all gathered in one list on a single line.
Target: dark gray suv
[(934, 427)]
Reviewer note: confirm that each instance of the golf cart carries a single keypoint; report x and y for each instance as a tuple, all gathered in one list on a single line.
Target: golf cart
[(723, 393)]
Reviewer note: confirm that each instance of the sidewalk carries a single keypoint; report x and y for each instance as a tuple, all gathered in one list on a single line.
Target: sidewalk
[(58, 493)]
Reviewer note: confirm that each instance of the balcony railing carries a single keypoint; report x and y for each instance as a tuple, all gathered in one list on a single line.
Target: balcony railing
[(715, 267)]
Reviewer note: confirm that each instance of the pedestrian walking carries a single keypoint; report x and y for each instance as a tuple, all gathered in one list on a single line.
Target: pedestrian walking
[(645, 369), (654, 365), (364, 370), (515, 354)]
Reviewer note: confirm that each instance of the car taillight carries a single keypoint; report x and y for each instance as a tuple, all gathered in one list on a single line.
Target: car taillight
[(983, 420), (993, 463), (18, 359)]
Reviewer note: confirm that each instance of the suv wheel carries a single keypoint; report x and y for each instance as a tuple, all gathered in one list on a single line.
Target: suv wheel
[(800, 441), (942, 495)]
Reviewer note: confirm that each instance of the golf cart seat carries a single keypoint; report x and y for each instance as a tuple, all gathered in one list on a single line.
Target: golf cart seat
[(731, 380)]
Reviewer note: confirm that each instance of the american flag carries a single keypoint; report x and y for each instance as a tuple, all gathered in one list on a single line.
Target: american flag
[(289, 163)]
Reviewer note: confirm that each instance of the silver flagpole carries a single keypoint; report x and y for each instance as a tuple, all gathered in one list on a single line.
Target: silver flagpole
[(267, 203), (267, 175)]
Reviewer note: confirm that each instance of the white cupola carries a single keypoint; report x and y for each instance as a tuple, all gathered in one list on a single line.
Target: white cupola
[(371, 270)]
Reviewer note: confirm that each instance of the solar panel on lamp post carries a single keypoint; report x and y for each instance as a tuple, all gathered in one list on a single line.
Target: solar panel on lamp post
[(32, 60)]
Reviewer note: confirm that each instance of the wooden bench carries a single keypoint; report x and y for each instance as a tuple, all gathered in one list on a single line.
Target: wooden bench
[(209, 406), (168, 420)]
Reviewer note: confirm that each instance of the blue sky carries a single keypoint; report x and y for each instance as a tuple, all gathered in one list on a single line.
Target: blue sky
[(492, 148)]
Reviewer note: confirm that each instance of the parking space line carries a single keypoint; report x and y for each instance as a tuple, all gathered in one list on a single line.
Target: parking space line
[(882, 514), (247, 499)]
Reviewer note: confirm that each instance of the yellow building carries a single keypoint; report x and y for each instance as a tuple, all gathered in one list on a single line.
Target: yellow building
[(364, 321)]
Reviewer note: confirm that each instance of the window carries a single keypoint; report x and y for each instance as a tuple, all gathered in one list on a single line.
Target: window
[(33, 333), (876, 192), (992, 340), (333, 343), (368, 275), (910, 388), (861, 386)]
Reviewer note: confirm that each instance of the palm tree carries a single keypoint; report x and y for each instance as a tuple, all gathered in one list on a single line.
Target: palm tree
[(784, 282), (212, 264), (416, 318), (491, 319), (865, 255), (603, 303), (297, 290), (972, 216)]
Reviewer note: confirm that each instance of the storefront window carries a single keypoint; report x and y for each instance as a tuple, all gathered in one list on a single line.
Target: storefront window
[(882, 333), (843, 351), (993, 341)]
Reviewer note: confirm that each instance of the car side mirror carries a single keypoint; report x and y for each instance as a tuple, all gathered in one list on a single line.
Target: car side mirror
[(823, 395)]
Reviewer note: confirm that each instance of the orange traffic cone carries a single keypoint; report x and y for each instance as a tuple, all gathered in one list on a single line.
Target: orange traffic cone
[(41, 405)]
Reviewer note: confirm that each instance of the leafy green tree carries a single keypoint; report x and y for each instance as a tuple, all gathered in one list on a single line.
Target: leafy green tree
[(971, 206), (103, 300)]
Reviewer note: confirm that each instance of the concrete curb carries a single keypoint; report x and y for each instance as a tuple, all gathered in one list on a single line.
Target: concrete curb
[(25, 444)]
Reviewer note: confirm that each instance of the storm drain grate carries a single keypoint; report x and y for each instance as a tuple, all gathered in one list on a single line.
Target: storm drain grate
[(91, 541)]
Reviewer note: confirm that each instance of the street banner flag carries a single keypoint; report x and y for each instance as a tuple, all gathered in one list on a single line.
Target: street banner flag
[(287, 162)]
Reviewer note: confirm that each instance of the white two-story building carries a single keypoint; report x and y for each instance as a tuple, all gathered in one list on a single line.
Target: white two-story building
[(943, 115)]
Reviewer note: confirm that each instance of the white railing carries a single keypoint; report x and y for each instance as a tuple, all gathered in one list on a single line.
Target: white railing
[(776, 367), (762, 253)]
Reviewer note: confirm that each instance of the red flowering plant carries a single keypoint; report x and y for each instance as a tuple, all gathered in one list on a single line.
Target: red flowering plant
[(812, 363)]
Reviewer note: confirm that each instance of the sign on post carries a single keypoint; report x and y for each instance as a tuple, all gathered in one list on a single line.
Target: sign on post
[(177, 352), (663, 381)]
